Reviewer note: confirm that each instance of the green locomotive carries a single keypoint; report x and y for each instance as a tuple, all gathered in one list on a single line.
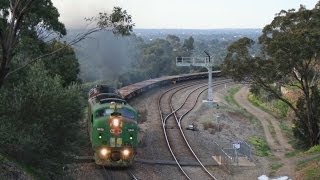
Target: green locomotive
[(112, 126)]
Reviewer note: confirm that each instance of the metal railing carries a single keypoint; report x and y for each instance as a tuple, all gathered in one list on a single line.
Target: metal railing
[(193, 61), (229, 157), (222, 157)]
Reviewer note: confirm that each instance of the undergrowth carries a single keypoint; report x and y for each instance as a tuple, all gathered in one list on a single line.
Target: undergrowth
[(260, 145), (314, 149), (274, 106), (230, 96)]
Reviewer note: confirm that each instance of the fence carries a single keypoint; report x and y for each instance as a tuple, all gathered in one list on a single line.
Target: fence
[(222, 157), (228, 157)]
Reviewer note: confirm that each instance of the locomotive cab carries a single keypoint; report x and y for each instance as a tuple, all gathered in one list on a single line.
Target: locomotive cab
[(113, 130)]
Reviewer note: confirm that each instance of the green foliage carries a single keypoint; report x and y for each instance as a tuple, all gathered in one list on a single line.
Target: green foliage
[(277, 106), (292, 153), (39, 121), (24, 21), (119, 20), (310, 167), (313, 173), (155, 54), (303, 131), (290, 49), (261, 147), (314, 149), (280, 107), (63, 63), (230, 96), (255, 89), (188, 44), (302, 163), (276, 166), (40, 13)]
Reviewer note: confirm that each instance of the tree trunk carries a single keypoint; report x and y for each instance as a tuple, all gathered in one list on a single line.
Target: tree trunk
[(2, 77), (3, 71)]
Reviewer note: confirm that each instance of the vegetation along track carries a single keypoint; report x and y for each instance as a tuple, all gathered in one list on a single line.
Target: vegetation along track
[(115, 174), (171, 124)]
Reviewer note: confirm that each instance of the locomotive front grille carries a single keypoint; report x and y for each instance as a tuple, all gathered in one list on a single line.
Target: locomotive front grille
[(115, 156)]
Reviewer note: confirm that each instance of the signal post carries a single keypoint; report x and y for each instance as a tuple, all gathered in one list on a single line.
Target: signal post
[(200, 62)]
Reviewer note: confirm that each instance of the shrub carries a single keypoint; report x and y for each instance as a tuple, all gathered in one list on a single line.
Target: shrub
[(39, 121), (314, 149), (261, 147)]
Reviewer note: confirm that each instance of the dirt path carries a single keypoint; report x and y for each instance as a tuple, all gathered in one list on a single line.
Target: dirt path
[(276, 141)]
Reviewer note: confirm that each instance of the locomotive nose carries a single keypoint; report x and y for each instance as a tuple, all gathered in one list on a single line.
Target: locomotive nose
[(115, 156)]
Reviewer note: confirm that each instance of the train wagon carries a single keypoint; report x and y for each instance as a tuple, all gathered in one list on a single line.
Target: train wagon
[(112, 127)]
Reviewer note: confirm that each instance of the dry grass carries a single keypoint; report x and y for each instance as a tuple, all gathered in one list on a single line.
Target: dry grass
[(214, 127)]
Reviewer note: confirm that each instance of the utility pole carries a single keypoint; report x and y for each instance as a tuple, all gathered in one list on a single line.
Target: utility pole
[(200, 62)]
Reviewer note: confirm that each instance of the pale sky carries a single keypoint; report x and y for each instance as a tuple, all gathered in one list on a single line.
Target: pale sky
[(186, 14)]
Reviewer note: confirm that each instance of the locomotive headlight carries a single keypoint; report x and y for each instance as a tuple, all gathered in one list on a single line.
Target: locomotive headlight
[(115, 122), (126, 152), (104, 151)]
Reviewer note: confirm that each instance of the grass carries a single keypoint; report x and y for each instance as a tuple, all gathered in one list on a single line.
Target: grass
[(235, 107), (286, 129), (305, 162), (230, 96), (260, 145), (314, 149), (309, 167), (313, 172), (273, 132), (275, 106), (292, 153), (274, 167)]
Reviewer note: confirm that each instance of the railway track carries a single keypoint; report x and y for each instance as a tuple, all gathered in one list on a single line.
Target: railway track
[(171, 124), (115, 174)]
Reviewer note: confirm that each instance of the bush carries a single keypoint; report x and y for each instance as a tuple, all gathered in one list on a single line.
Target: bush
[(39, 121), (314, 149), (275, 105), (261, 147)]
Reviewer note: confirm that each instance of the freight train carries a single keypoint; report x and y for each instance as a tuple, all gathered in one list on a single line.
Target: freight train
[(113, 123), (112, 127)]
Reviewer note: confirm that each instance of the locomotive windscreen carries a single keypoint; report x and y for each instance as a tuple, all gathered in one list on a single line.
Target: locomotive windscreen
[(127, 113)]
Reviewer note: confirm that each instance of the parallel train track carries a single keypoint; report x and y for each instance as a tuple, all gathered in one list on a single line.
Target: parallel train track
[(171, 136)]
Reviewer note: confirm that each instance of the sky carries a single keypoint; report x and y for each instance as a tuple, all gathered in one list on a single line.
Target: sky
[(181, 14)]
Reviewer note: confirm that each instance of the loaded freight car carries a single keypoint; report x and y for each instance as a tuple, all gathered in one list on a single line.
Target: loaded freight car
[(131, 91), (112, 126)]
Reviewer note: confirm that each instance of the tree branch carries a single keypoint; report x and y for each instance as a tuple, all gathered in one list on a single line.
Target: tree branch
[(78, 38), (268, 88)]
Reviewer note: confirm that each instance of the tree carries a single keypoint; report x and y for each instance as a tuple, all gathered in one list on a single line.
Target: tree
[(188, 44), (289, 57), (39, 121), (63, 63), (20, 18), (17, 18)]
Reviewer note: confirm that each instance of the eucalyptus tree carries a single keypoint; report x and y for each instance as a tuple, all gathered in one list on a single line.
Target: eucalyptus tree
[(289, 57), (39, 18)]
